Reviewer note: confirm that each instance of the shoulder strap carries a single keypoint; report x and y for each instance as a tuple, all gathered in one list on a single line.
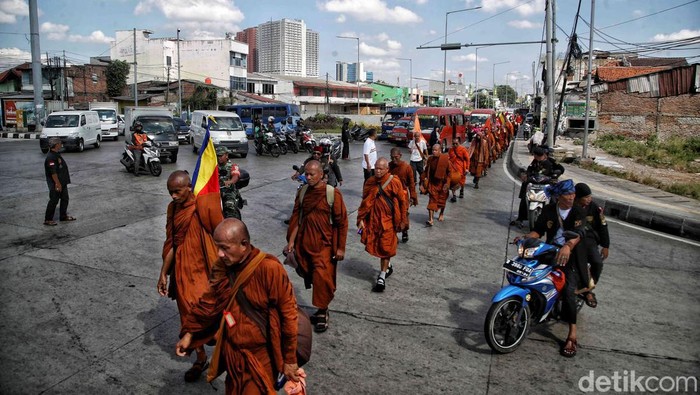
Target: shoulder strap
[(242, 278), (387, 182), (330, 198), (300, 198)]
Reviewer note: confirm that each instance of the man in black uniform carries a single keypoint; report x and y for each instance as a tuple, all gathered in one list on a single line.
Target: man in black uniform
[(345, 138), (556, 218), (542, 168), (596, 235), (57, 178)]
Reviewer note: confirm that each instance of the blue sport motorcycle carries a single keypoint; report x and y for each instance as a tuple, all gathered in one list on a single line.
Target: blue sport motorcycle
[(531, 296)]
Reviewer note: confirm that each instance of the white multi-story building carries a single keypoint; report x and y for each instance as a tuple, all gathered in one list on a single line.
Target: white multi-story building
[(287, 47), (220, 62), (348, 72)]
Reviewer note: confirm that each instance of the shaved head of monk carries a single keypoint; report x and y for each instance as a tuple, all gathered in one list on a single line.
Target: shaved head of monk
[(314, 172), (232, 241), (381, 167), (179, 186)]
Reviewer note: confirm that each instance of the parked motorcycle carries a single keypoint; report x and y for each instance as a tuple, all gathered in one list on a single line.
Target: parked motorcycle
[(527, 129), (307, 140), (535, 196), (291, 140), (267, 145), (531, 296), (281, 141), (150, 158), (332, 146), (359, 133)]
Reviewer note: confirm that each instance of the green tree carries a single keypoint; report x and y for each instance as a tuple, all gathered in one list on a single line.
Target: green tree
[(117, 71), (485, 101), (203, 98), (506, 94)]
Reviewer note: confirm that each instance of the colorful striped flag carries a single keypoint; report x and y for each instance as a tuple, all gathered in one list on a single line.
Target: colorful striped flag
[(205, 178)]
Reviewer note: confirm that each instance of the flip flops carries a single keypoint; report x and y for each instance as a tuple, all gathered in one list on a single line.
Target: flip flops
[(321, 322), (67, 218), (591, 300), (570, 351), (50, 223)]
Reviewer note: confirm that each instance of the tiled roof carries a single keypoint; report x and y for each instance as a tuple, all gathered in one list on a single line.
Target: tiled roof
[(658, 62), (609, 74)]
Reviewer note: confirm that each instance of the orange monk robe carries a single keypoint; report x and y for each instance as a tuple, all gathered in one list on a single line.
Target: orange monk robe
[(479, 156), (493, 146), (437, 173), (379, 234), (251, 362), (510, 128), (459, 165), (318, 241), (404, 172), (188, 229)]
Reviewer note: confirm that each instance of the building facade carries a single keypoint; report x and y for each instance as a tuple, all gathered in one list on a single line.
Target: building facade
[(287, 47), (249, 36)]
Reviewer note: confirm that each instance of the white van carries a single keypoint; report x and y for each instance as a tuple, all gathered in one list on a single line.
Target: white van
[(76, 129), (227, 131)]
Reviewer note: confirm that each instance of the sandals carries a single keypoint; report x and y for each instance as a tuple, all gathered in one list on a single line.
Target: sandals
[(50, 223), (570, 351), (429, 223), (379, 286), (441, 218), (321, 322), (196, 371), (404, 237), (67, 218), (591, 300)]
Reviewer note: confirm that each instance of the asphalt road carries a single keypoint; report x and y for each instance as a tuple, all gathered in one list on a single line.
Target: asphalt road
[(80, 312)]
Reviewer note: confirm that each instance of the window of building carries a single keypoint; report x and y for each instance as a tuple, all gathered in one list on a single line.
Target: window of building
[(268, 89), (303, 91), (317, 92), (238, 84), (168, 61), (239, 59), (251, 88)]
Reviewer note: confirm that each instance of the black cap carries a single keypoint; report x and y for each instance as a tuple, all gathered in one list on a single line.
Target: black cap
[(538, 151), (582, 190)]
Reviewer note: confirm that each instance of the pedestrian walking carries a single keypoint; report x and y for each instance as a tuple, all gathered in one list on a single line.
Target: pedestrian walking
[(57, 179), (435, 182), (404, 173), (369, 154)]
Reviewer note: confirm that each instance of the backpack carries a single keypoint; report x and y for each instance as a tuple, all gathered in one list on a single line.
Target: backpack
[(330, 198)]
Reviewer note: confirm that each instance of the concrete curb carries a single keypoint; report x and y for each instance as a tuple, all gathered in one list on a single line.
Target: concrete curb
[(26, 136), (675, 225)]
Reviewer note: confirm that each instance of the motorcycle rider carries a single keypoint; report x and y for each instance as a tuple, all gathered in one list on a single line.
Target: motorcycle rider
[(541, 166), (138, 137), (331, 171), (229, 173), (258, 134)]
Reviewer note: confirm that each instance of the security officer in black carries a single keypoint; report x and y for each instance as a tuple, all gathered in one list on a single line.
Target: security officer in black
[(596, 235), (57, 179)]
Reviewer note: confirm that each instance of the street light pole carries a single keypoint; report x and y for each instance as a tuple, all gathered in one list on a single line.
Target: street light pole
[(179, 81), (410, 89), (357, 69), (444, 63), (493, 80)]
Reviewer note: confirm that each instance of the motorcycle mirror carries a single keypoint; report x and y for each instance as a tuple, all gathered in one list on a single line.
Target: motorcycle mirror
[(295, 167)]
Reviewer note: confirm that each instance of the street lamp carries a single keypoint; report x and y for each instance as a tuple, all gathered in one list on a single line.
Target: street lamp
[(444, 63), (410, 85), (357, 69), (476, 76), (493, 80)]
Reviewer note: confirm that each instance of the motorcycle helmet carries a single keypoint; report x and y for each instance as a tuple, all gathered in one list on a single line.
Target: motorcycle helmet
[(271, 119), (138, 125)]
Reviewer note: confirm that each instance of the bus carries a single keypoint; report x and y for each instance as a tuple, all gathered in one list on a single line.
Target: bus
[(248, 112)]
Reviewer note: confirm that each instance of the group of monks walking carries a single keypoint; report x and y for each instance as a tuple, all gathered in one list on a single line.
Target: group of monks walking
[(240, 299)]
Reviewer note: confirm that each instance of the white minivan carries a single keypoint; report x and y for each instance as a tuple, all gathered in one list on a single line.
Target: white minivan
[(227, 130), (75, 129)]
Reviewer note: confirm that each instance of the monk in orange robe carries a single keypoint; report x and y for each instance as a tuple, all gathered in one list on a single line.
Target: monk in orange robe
[(188, 253), (435, 181), (459, 167), (404, 172), (381, 214), (252, 355), (316, 236), (479, 157)]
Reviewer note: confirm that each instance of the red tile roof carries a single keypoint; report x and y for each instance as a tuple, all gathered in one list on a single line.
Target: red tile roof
[(610, 74)]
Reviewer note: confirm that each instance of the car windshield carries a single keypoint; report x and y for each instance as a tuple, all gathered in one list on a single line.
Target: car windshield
[(392, 116), (62, 121), (427, 121), (478, 119), (157, 125), (404, 124), (107, 115), (227, 123)]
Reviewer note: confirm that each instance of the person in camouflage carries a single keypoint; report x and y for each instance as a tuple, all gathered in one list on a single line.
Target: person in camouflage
[(231, 198)]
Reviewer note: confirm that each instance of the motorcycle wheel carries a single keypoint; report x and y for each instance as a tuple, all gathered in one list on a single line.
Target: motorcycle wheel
[(275, 151), (283, 148), (502, 333), (532, 217), (155, 168), (310, 148), (295, 149)]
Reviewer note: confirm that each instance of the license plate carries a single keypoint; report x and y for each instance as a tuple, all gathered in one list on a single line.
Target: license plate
[(518, 268)]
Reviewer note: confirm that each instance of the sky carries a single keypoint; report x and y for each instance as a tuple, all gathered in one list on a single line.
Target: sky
[(387, 29)]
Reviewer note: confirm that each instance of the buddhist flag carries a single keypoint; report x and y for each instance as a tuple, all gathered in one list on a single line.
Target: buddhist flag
[(205, 178), (416, 124)]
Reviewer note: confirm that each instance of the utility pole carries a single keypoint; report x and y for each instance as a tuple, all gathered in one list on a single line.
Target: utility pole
[(136, 90), (179, 81), (65, 82), (36, 61), (328, 104), (550, 74), (584, 152), (167, 89)]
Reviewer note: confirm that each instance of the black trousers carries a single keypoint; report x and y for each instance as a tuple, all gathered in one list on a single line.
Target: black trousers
[(368, 173), (522, 208), (568, 294), (346, 149), (54, 197), (594, 258), (417, 170)]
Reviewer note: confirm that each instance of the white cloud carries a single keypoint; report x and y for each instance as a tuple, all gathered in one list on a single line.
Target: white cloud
[(11, 9), (369, 50), (378, 64), (679, 35), (469, 58), (370, 10), (637, 13), (393, 45), (432, 32), (10, 57), (382, 36), (534, 7), (420, 2), (340, 19), (524, 24), (216, 16), (58, 32)]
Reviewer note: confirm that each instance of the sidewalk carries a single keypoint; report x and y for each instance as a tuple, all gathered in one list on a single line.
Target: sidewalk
[(626, 200)]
